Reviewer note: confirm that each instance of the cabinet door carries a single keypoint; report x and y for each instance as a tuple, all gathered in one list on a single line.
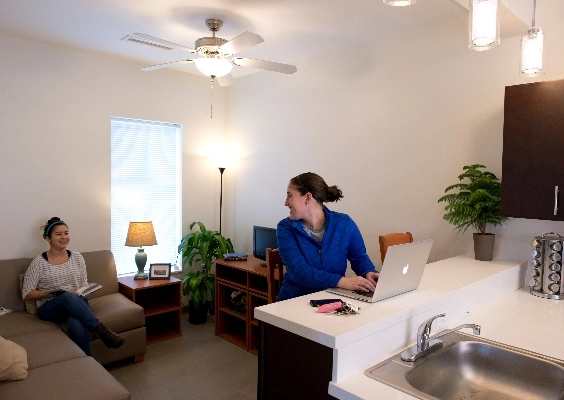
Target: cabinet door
[(533, 151)]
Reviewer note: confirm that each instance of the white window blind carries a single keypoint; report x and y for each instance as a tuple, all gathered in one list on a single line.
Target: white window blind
[(146, 186)]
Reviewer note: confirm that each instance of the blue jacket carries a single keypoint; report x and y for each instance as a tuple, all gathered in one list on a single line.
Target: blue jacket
[(313, 266)]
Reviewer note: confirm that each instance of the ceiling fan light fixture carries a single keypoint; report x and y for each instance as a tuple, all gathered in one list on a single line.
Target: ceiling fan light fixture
[(483, 24), (214, 66), (399, 3)]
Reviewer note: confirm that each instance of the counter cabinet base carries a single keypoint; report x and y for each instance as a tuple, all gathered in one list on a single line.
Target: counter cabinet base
[(292, 367)]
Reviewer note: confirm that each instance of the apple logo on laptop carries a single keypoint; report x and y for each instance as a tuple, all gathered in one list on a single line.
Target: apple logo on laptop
[(405, 269)]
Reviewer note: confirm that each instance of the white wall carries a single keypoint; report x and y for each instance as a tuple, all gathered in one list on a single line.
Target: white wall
[(391, 122), (56, 106)]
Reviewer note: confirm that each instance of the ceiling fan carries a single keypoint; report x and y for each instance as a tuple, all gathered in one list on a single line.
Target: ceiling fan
[(213, 56)]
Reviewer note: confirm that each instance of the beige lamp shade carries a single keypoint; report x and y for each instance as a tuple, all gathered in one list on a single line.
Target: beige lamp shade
[(141, 234)]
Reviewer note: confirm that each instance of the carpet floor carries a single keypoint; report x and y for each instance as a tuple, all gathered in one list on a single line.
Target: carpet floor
[(198, 365)]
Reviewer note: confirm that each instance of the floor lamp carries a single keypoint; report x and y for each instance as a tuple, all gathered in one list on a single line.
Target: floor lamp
[(221, 169)]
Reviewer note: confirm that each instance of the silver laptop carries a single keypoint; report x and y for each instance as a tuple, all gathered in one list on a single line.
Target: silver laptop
[(401, 272)]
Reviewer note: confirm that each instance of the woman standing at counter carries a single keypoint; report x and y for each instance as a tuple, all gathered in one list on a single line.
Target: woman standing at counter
[(315, 243)]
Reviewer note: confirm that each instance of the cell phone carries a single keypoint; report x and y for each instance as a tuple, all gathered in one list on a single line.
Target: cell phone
[(317, 303)]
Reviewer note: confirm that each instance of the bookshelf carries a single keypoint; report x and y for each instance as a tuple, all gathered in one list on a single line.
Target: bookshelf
[(248, 277)]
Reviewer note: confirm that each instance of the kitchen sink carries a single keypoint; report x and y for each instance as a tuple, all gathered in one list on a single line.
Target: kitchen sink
[(469, 367)]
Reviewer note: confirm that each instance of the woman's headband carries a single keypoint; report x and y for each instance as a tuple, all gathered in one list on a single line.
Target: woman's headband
[(49, 227)]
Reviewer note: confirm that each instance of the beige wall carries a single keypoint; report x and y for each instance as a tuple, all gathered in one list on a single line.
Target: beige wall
[(56, 106), (392, 122)]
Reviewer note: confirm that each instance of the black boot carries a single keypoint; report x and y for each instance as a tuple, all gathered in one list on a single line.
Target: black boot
[(109, 337)]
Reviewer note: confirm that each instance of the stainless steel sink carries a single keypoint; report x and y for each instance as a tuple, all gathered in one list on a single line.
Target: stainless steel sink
[(469, 367)]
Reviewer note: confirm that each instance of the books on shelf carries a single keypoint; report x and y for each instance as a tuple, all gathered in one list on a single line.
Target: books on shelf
[(81, 291), (235, 256)]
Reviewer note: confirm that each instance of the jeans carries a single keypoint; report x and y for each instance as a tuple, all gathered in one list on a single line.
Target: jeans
[(72, 309)]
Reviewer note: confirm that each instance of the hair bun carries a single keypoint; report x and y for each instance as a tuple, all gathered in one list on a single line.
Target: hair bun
[(334, 193)]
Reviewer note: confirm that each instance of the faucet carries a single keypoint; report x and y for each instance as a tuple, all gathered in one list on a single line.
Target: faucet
[(427, 343)]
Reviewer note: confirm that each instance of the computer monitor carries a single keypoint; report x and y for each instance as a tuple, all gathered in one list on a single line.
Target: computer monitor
[(263, 238)]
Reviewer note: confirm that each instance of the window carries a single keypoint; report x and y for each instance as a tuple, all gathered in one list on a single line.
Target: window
[(146, 186)]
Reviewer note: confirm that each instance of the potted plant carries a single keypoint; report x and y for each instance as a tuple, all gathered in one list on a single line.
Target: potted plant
[(476, 204), (203, 246)]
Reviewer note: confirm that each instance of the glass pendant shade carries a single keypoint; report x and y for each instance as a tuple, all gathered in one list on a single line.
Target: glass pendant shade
[(400, 2), (214, 66), (483, 24), (531, 52)]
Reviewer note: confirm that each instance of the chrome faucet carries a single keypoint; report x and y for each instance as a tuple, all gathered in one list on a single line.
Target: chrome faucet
[(427, 343)]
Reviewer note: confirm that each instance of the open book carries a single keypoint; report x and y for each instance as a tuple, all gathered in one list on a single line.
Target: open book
[(82, 291)]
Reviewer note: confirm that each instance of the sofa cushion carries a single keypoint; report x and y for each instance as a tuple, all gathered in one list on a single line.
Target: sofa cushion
[(30, 305), (117, 312), (60, 347), (135, 345), (10, 293), (77, 379), (13, 362), (18, 323)]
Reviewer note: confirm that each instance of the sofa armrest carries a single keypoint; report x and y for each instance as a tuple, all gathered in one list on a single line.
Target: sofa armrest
[(101, 268)]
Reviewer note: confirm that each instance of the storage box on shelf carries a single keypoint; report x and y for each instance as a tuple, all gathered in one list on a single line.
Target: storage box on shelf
[(248, 277), (161, 300)]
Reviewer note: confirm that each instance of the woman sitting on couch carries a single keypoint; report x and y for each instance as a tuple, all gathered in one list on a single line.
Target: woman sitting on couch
[(59, 268)]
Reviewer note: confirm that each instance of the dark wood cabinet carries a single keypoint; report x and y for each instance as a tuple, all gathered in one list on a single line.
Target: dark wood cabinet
[(161, 300), (533, 151), (249, 278)]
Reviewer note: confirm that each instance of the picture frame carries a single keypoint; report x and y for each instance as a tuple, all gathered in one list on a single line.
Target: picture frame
[(160, 271)]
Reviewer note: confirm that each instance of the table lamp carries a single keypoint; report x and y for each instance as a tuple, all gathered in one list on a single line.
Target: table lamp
[(141, 234)]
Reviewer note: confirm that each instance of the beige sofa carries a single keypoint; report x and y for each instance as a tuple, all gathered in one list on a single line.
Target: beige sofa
[(57, 367)]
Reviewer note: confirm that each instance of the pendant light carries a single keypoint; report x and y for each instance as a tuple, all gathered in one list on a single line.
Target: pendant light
[(532, 49), (483, 24), (400, 2)]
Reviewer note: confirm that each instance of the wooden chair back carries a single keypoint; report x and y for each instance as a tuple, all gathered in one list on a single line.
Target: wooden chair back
[(274, 269), (391, 239)]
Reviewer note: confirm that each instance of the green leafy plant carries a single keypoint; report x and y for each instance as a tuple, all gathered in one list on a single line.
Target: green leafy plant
[(203, 246), (477, 202)]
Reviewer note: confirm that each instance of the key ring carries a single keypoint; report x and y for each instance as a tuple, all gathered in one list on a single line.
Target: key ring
[(346, 309)]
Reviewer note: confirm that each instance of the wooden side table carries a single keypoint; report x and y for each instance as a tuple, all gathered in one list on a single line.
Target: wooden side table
[(161, 300)]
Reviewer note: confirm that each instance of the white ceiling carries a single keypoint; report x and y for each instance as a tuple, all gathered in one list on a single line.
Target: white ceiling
[(292, 29)]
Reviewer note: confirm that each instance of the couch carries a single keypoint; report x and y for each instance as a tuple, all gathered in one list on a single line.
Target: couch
[(57, 367)]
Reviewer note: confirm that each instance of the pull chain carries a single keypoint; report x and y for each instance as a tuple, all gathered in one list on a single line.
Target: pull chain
[(211, 100)]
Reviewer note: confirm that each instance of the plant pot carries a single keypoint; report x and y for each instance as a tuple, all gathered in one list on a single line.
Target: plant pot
[(484, 246), (197, 316)]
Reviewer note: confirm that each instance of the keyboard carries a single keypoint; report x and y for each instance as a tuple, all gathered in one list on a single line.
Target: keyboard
[(366, 294)]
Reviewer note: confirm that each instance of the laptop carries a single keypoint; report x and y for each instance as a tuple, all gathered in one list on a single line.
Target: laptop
[(401, 272)]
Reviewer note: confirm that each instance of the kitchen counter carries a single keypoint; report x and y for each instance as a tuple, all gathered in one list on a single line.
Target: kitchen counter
[(519, 319), (458, 287)]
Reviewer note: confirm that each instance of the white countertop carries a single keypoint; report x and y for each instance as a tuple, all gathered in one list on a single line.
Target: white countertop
[(519, 319), (450, 278), (457, 286)]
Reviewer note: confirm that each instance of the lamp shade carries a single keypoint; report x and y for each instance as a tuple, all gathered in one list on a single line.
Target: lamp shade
[(140, 234), (214, 66), (483, 24), (531, 52)]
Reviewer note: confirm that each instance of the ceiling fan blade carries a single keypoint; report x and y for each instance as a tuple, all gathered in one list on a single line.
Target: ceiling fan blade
[(165, 42), (165, 65), (268, 65), (225, 80), (241, 42)]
